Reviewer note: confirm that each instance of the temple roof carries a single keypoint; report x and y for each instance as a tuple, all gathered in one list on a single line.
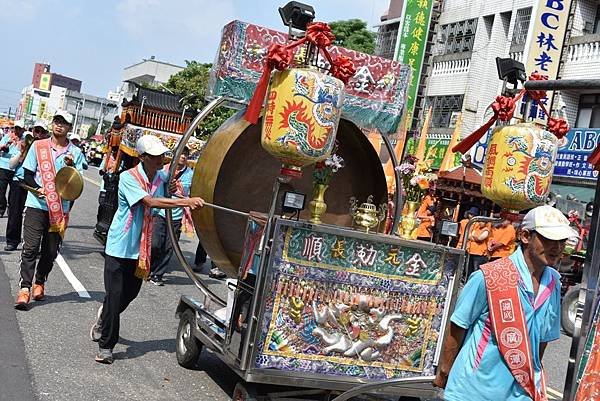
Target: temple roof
[(156, 99)]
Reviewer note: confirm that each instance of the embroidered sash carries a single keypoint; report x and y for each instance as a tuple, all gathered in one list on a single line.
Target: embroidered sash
[(143, 266), (509, 325), (187, 224), (45, 161)]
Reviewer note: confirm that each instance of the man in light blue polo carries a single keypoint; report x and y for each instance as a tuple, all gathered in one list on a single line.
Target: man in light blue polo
[(161, 244), (477, 370), (40, 227), (128, 245), (9, 146)]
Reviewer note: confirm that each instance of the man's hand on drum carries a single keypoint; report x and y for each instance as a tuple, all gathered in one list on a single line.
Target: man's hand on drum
[(195, 203)]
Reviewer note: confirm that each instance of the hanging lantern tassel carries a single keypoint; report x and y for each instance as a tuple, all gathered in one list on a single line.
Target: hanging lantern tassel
[(504, 109), (279, 57)]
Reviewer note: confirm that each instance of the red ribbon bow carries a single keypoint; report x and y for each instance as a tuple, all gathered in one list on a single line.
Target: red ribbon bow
[(279, 57), (319, 34), (343, 68)]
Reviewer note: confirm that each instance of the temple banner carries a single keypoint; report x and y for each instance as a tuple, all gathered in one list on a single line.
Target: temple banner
[(133, 132), (344, 303), (374, 98)]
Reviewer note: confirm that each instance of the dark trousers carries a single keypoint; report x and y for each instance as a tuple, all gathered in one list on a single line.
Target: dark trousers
[(6, 177), (35, 233), (16, 203), (162, 248), (121, 287), (200, 257)]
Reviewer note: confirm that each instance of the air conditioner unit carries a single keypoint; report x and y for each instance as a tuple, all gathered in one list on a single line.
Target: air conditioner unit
[(588, 27)]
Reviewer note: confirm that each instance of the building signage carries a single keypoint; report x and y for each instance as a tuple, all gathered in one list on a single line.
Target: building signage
[(573, 151), (544, 46), (45, 82), (410, 48)]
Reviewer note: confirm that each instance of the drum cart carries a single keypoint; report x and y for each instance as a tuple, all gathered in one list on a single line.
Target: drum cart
[(287, 319)]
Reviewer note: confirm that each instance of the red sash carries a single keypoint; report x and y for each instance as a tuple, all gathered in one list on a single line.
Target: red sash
[(509, 325), (143, 266), (45, 161), (187, 223)]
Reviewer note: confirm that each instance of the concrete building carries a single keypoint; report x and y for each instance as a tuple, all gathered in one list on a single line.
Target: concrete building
[(148, 71), (43, 79), (462, 76)]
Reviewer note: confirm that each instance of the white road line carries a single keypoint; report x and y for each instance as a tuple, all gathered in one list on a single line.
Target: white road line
[(554, 393), (71, 277), (96, 183)]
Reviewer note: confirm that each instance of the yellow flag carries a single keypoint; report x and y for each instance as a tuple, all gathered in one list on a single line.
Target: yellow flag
[(420, 154), (449, 161)]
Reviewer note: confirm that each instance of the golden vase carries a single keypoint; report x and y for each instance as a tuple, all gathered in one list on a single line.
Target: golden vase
[(317, 205), (409, 220)]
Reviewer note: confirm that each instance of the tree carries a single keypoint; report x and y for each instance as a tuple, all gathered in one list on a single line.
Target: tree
[(353, 34), (192, 83)]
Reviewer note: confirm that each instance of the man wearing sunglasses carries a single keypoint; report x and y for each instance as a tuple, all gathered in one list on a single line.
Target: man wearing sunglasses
[(47, 215), (17, 193), (9, 146)]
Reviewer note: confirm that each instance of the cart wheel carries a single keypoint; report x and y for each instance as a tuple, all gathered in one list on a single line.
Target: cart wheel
[(569, 310), (188, 347), (244, 392)]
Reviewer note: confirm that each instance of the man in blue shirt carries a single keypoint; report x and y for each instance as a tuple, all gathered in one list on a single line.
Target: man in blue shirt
[(37, 227), (17, 195), (161, 244), (476, 370), (128, 252), (9, 145)]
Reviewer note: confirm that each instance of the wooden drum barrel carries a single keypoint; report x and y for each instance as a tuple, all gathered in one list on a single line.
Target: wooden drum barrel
[(235, 172)]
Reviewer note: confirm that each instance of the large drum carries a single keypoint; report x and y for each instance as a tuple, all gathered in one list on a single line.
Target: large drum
[(234, 171)]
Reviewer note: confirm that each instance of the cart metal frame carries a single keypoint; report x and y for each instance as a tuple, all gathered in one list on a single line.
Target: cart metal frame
[(214, 334)]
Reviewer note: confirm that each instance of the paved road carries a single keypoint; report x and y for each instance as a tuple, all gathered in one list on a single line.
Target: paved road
[(46, 355)]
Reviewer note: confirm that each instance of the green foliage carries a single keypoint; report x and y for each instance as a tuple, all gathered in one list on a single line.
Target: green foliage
[(92, 130), (191, 83), (353, 34)]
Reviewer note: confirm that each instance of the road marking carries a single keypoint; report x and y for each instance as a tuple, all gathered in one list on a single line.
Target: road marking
[(554, 393), (96, 183), (71, 277)]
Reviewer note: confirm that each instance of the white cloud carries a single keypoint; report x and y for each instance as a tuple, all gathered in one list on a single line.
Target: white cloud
[(174, 20)]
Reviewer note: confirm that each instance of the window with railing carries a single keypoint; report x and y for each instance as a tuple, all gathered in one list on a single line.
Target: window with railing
[(443, 108), (521, 26), (386, 41), (456, 37)]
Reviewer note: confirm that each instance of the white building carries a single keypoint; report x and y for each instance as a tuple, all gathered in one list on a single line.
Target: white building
[(463, 78), (148, 71)]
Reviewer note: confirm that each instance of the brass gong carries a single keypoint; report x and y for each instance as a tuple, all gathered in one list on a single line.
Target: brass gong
[(69, 183)]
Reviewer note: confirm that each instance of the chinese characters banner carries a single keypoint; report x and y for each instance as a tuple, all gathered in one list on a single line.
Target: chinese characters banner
[(374, 97), (544, 46), (340, 304), (411, 45)]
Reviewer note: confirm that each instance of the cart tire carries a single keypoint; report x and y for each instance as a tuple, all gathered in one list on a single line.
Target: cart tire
[(244, 392), (569, 310), (187, 346)]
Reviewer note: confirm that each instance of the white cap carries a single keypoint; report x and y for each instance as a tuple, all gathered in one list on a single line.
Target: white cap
[(41, 124), (549, 222), (20, 123), (64, 114), (74, 136), (27, 133), (151, 145)]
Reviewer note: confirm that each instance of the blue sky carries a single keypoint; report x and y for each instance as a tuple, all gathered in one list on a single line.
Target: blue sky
[(93, 40)]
